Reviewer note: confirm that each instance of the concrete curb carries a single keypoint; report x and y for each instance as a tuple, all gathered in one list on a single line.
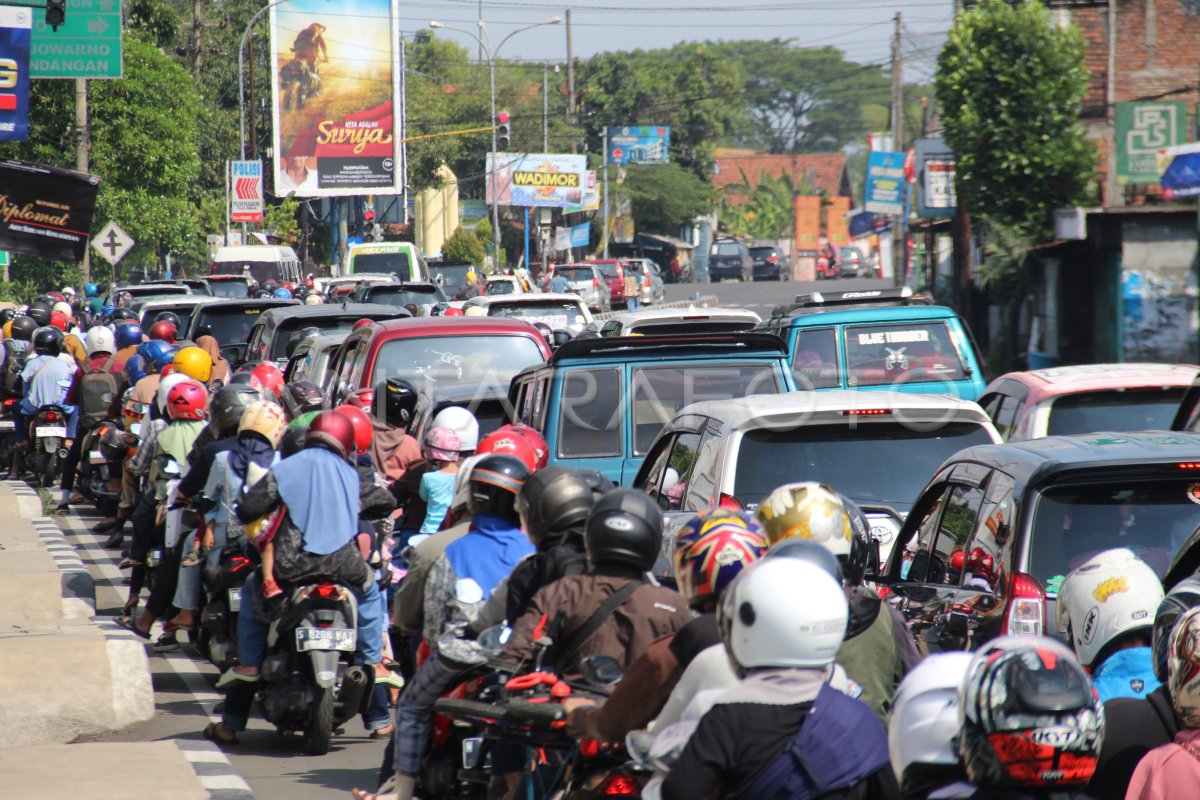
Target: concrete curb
[(78, 585), (214, 770)]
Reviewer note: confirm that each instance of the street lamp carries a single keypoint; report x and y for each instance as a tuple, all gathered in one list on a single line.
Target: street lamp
[(485, 42), (242, 70)]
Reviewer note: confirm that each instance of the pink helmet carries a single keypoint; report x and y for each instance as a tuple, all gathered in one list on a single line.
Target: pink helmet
[(441, 444)]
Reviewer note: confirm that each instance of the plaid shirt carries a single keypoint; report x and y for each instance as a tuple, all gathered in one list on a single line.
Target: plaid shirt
[(140, 463)]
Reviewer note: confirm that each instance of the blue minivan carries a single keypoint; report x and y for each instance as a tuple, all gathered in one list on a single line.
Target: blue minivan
[(878, 340), (600, 403)]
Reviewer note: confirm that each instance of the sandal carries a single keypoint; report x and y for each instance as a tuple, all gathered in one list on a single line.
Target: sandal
[(384, 733), (211, 733), (230, 677), (128, 624), (386, 791), (128, 563), (130, 606)]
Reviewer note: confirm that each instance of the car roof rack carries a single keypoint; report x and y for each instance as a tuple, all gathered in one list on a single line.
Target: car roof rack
[(616, 344), (902, 296)]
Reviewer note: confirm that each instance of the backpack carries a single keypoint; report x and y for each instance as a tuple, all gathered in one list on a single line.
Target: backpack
[(98, 389), (14, 362)]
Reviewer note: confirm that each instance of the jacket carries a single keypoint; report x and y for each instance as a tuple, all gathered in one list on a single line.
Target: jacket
[(557, 556), (1170, 772), (408, 611), (1126, 673), (872, 654), (1132, 728), (648, 614)]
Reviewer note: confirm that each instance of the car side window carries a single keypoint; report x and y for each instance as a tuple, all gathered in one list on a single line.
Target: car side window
[(702, 489), (955, 527), (1006, 419), (815, 359), (611, 328), (678, 472), (657, 459), (590, 413), (538, 388), (988, 555), (522, 402), (990, 403)]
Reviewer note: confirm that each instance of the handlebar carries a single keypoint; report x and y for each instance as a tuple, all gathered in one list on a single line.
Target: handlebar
[(513, 711)]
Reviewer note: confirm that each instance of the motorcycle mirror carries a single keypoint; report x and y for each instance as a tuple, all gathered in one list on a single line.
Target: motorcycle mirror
[(495, 637), (601, 670)]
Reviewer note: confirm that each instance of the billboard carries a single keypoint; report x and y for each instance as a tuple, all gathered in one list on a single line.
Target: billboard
[(644, 144), (936, 196), (1142, 130), (45, 211), (334, 86), (886, 185), (15, 26), (537, 180)]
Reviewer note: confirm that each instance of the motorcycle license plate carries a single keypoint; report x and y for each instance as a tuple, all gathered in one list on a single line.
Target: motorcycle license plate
[(325, 639), (471, 751), (96, 457), (235, 600), (7, 425), (51, 430)]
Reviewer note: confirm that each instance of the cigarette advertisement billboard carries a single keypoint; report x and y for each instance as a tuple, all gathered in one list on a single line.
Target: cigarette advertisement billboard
[(537, 180)]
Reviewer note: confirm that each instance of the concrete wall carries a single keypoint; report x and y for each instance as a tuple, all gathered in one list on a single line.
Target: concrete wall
[(1158, 285)]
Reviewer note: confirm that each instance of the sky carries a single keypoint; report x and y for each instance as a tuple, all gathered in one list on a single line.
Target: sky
[(861, 28)]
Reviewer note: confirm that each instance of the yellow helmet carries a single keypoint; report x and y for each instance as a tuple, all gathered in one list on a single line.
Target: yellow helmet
[(808, 510), (8, 329), (195, 363), (266, 419)]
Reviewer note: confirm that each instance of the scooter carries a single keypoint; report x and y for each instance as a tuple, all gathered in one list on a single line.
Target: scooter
[(95, 468), (217, 633), (8, 427), (48, 433)]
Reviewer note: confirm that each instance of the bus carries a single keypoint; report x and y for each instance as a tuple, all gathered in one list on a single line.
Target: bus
[(397, 258)]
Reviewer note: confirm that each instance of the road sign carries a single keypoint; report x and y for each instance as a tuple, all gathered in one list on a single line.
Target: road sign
[(87, 45), (3, 258), (112, 243), (246, 200)]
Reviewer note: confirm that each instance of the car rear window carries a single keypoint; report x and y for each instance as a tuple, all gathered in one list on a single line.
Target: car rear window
[(1072, 523), (395, 263), (576, 275), (870, 462), (918, 352), (261, 271), (1131, 410), (289, 330), (185, 315), (607, 269), (231, 289), (727, 249), (501, 287), (401, 297), (762, 252), (673, 328), (431, 362), (558, 314), (231, 325), (452, 276)]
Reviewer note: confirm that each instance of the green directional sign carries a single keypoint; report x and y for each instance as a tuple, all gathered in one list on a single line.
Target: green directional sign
[(87, 45)]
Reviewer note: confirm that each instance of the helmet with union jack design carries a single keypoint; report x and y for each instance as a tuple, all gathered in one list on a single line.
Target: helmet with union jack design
[(711, 549)]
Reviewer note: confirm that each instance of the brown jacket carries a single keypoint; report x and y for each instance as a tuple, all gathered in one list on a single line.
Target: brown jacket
[(650, 613), (636, 700)]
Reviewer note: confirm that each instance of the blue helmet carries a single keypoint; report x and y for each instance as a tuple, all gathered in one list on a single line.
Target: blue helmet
[(156, 352), (134, 370), (282, 294), (128, 334), (106, 310), (91, 290)]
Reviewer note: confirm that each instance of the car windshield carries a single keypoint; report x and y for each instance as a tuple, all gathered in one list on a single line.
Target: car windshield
[(394, 263), (231, 325), (558, 314), (1133, 410), (576, 275), (402, 296), (634, 267), (901, 457), (261, 271), (434, 362), (289, 331), (141, 300), (501, 287), (761, 252), (916, 352), (231, 289), (1072, 523)]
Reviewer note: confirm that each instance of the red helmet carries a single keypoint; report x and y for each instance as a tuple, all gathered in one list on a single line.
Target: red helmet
[(166, 370), (59, 320), (364, 432), (187, 400), (58, 297), (506, 442), (363, 398), (331, 429), (453, 312), (267, 377), (163, 330), (536, 439), (956, 560), (981, 563), (362, 323)]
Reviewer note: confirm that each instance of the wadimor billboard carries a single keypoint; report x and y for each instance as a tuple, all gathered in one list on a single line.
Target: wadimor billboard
[(537, 180), (334, 86)]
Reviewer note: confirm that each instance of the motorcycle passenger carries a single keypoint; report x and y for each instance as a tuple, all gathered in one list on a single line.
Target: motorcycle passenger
[(155, 356), (783, 731), (924, 726), (878, 649), (220, 367), (128, 338), (437, 483), (302, 400), (96, 390), (1106, 607), (393, 450)]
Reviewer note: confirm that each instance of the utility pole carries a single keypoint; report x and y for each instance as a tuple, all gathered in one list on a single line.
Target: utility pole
[(897, 90), (82, 138), (479, 25), (545, 109), (253, 107), (197, 45), (570, 71), (604, 213)]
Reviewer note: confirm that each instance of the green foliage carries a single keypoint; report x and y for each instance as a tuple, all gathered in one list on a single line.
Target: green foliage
[(463, 246), (765, 211), (665, 198), (483, 232), (1010, 87)]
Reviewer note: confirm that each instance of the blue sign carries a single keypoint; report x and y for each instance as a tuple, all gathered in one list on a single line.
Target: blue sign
[(1180, 171), (886, 184), (634, 144), (16, 24), (581, 235), (865, 222)]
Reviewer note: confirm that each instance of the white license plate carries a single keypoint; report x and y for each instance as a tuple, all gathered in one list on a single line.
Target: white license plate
[(471, 750), (51, 430), (96, 457), (325, 639), (235, 600), (7, 425)]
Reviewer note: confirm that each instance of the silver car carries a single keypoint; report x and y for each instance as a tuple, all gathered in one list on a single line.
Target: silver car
[(653, 290), (586, 281)]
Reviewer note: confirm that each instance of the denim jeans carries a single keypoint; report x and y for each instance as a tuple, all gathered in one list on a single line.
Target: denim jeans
[(187, 593)]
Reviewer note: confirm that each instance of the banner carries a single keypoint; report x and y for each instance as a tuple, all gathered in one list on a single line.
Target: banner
[(45, 211), (15, 27), (639, 145), (936, 196), (246, 191), (885, 183), (537, 180), (470, 212), (334, 86), (808, 224), (1180, 168), (1142, 130), (837, 222)]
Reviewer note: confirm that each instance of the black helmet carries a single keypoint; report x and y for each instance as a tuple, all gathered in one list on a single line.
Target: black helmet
[(226, 407), (270, 285), (7, 315), (814, 553), (169, 316), (46, 300), (587, 333), (292, 441), (399, 402), (556, 498), (493, 486), (23, 327), (121, 314), (48, 341), (864, 547), (1183, 597), (40, 312), (559, 337), (624, 529), (300, 397)]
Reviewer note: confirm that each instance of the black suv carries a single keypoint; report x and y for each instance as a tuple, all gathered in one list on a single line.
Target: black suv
[(770, 264), (984, 549), (730, 258)]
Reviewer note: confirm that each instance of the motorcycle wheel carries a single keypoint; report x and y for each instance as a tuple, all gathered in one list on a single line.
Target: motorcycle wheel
[(318, 736), (51, 467)]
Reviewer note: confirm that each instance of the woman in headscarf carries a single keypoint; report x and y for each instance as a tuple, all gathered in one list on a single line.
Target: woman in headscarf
[(220, 368)]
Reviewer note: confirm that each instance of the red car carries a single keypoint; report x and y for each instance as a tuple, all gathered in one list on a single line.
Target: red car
[(614, 276), (437, 354)]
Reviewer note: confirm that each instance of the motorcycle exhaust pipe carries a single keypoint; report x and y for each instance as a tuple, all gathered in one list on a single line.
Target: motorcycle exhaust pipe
[(354, 696)]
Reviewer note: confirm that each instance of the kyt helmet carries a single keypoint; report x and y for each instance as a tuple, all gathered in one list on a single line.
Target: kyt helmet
[(624, 529), (333, 431), (1029, 717), (162, 395), (924, 724), (557, 499), (1183, 597), (364, 431), (195, 363), (536, 439), (23, 327), (711, 549), (267, 377), (399, 402), (1183, 668), (40, 313), (187, 400), (811, 510), (156, 353), (48, 341), (493, 485), (463, 423), (1113, 594), (129, 334), (264, 418), (164, 330), (227, 406), (169, 316), (100, 339)]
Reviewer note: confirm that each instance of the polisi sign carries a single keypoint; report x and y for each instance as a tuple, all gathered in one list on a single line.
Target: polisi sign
[(15, 26)]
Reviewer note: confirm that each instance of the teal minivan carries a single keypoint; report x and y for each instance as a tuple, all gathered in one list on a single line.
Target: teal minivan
[(878, 340), (600, 403)]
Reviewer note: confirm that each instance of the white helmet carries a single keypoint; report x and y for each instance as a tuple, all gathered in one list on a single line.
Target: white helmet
[(474, 311), (783, 612), (1183, 668), (1114, 593), (100, 339), (68, 291), (64, 309), (164, 386), (462, 422), (313, 300), (925, 722)]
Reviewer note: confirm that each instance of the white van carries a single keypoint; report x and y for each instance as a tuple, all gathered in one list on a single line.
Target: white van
[(262, 262), (395, 258)]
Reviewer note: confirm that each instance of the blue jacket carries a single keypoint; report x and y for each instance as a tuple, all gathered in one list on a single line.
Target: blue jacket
[(1126, 673)]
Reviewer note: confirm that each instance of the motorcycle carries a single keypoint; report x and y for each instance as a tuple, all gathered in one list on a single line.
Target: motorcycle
[(48, 433), (96, 469), (8, 427), (298, 83), (216, 636), (309, 682)]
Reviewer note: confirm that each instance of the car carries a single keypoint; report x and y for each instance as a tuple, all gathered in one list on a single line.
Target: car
[(648, 278), (400, 260), (197, 285), (277, 330), (733, 453), (600, 403), (1024, 514), (668, 321), (230, 322), (770, 263), (565, 312), (502, 284), (338, 289), (182, 307), (453, 278), (145, 292), (730, 258), (853, 263), (310, 359), (878, 340), (613, 275), (588, 282), (262, 262), (437, 354), (233, 287), (488, 404), (1086, 398), (400, 295)]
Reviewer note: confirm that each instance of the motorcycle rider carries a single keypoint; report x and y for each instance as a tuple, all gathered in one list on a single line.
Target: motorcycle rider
[(46, 378), (1106, 607), (128, 338), (221, 371), (923, 728), (393, 450), (96, 390)]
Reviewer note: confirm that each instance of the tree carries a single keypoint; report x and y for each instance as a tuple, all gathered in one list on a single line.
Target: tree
[(765, 211), (665, 198), (463, 246), (1010, 86)]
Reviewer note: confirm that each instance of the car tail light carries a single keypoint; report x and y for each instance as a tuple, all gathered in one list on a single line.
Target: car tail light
[(51, 416), (773, 258), (596, 282), (10, 402), (620, 786), (866, 412), (589, 748), (729, 501), (1185, 465), (1026, 607)]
